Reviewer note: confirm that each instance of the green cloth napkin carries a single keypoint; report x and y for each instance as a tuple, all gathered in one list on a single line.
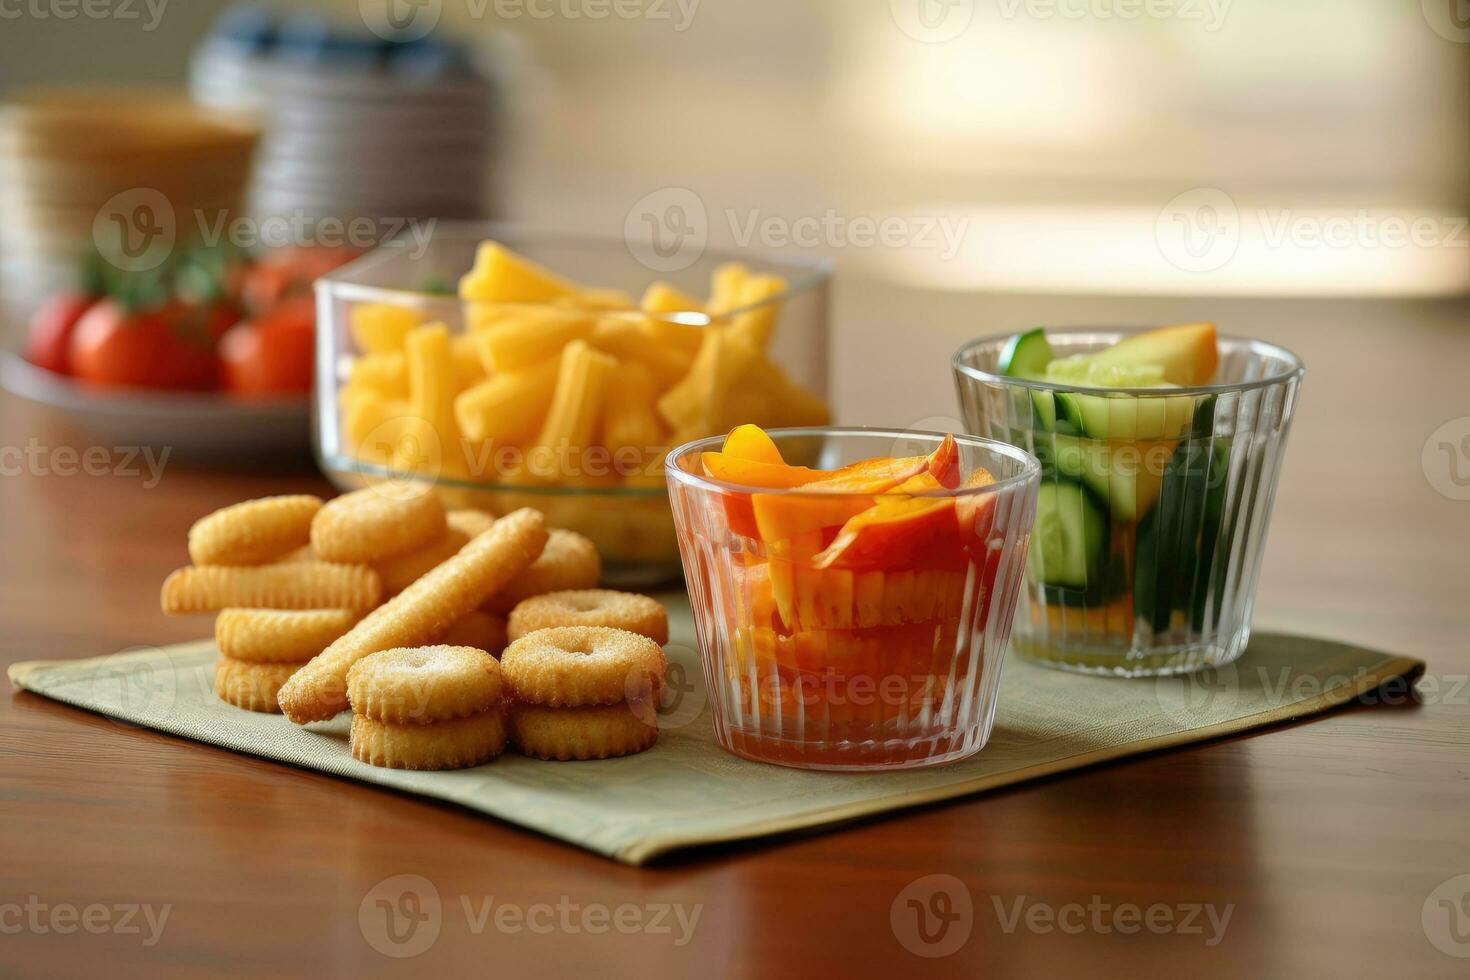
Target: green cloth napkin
[(687, 791)]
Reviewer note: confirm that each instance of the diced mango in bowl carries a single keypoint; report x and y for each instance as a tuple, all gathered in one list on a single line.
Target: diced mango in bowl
[(557, 383)]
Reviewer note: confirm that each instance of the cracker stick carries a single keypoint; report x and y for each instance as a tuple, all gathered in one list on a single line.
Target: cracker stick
[(419, 614)]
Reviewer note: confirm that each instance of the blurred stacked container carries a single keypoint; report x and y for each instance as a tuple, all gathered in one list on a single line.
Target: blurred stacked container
[(127, 172), (355, 126)]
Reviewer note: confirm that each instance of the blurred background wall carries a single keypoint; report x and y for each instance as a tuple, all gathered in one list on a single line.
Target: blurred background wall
[(858, 105), (1080, 149)]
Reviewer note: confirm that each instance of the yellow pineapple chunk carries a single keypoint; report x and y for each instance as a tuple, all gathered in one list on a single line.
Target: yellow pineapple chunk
[(630, 340), (431, 380), (726, 283), (502, 276), (508, 407), (529, 337), (760, 322), (697, 403), (596, 301), (385, 374), (630, 420), (582, 382), (664, 298), (380, 328)]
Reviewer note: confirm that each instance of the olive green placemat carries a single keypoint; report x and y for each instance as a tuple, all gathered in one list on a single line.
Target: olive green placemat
[(687, 791)]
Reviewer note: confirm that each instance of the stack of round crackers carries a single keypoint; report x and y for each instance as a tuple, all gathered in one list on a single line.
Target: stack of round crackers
[(585, 669), (381, 601)]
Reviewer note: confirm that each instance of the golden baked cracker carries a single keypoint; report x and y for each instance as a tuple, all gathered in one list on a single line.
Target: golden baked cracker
[(469, 521), (277, 635), (297, 585), (572, 666), (423, 685), (419, 614), (253, 531), (253, 687), (569, 561), (478, 629), (592, 607), (456, 744), (303, 553), (377, 522), (398, 572), (565, 734)]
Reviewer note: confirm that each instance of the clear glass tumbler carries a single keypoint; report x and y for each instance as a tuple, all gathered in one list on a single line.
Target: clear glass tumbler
[(1154, 503), (855, 631)]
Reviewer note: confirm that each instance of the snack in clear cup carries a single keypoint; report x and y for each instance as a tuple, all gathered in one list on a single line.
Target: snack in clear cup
[(852, 589), (1160, 453)]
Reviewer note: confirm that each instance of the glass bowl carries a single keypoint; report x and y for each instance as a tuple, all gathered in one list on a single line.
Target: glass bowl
[(1152, 515), (873, 652), (393, 401)]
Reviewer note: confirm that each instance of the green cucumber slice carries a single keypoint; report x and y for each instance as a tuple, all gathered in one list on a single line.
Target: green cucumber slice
[(1026, 355), (1127, 475), (1129, 417), (1176, 539), (1068, 543)]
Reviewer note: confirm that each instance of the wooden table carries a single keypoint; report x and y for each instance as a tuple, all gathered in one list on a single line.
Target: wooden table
[(1323, 839)]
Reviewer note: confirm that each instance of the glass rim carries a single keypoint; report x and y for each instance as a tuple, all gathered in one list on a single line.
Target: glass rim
[(815, 272), (337, 462), (1031, 466), (1294, 372)]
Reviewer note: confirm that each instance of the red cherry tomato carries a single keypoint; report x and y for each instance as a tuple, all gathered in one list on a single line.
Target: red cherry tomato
[(287, 273), (51, 328), (272, 354), (170, 347)]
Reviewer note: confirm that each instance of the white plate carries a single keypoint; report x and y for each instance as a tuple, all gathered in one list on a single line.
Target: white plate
[(189, 423)]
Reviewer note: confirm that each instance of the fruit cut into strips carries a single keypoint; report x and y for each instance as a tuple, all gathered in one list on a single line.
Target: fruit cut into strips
[(630, 421), (509, 407), (581, 385), (502, 276), (529, 337), (381, 328), (845, 493), (630, 340)]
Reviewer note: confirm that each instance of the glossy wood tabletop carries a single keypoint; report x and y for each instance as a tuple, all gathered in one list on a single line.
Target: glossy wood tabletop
[(1322, 848)]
